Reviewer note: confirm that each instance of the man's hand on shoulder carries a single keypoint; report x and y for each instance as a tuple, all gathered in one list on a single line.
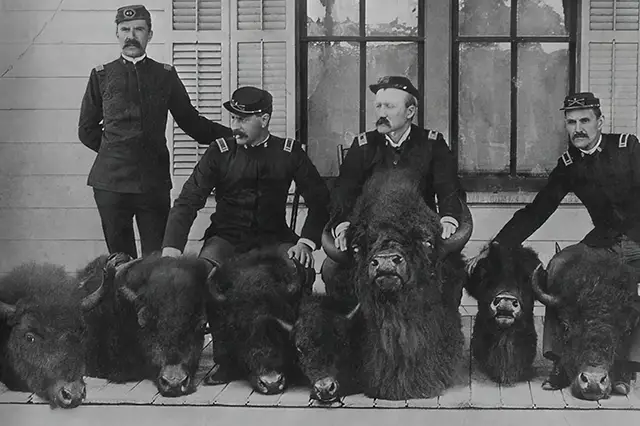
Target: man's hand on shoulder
[(340, 236), (171, 252)]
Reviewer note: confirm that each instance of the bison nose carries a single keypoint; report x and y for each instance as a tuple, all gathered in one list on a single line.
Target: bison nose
[(325, 390), (173, 381), (69, 394), (592, 385), (270, 383)]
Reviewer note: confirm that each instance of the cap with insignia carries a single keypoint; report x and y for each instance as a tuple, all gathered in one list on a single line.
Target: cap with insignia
[(580, 101), (395, 82), (131, 13), (249, 100)]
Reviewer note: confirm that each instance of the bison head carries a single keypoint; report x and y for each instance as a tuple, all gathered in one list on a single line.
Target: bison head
[(45, 351), (168, 298), (594, 301), (322, 337), (501, 283)]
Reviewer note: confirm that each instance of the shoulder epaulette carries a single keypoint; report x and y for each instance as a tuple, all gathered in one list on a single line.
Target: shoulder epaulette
[(99, 68), (222, 145), (362, 139), (433, 135), (167, 67), (622, 142), (288, 144), (566, 158)]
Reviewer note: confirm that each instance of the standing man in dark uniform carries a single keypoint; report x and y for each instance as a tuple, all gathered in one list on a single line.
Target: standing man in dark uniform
[(396, 143), (123, 118), (251, 173), (603, 170)]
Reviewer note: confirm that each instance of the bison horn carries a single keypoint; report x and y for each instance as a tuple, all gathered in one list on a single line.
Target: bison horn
[(457, 241), (285, 325), (91, 300), (128, 294), (546, 298), (7, 310), (353, 312)]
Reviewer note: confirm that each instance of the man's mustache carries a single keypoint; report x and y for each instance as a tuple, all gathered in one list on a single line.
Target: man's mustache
[(134, 43), (580, 135), (239, 133), (383, 120)]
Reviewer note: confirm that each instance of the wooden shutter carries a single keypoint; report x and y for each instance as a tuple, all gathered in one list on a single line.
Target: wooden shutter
[(609, 64), (263, 43), (197, 15), (199, 66)]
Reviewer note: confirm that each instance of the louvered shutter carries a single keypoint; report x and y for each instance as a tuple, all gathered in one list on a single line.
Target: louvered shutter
[(199, 66), (263, 39), (197, 15), (609, 66)]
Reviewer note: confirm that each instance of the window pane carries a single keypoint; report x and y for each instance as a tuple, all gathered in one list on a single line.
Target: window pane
[(392, 17), (333, 101), (484, 120), (341, 18), (389, 59), (543, 70), (543, 17), (484, 17)]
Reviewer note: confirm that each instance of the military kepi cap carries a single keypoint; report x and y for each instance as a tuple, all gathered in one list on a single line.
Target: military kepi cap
[(249, 100), (131, 13), (580, 101), (395, 82)]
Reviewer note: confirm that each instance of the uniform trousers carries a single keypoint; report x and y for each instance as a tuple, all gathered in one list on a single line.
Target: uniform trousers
[(117, 211)]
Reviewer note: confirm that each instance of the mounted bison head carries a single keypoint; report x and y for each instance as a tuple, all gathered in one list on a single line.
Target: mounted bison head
[(595, 299), (253, 294), (326, 335), (42, 331), (504, 337), (168, 299)]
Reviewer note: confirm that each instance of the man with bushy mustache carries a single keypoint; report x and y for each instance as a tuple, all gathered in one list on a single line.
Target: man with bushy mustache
[(251, 173), (395, 143), (123, 118), (603, 171)]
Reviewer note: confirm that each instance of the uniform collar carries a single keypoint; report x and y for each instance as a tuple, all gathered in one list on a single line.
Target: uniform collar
[(264, 142), (134, 60), (403, 138), (593, 150)]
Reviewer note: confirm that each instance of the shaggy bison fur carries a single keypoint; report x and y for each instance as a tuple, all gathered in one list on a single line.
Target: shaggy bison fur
[(595, 297), (408, 287), (253, 294), (504, 336), (151, 324), (43, 332)]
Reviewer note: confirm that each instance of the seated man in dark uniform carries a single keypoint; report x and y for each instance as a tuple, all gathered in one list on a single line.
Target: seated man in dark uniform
[(603, 170), (123, 119), (396, 143), (251, 173)]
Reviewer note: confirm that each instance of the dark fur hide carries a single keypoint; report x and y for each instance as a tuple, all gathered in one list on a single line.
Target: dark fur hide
[(505, 354), (412, 341)]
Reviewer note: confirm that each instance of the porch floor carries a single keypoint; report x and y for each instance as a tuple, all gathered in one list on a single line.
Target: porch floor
[(473, 390)]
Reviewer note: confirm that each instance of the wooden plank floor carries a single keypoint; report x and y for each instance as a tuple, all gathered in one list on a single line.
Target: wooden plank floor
[(472, 389)]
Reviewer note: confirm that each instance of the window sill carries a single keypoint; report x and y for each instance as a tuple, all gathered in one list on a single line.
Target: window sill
[(520, 197)]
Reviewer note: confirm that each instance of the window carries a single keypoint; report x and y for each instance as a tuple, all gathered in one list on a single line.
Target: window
[(345, 46), (513, 62)]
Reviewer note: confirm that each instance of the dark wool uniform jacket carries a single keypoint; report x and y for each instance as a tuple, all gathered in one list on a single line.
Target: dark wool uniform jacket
[(251, 186), (608, 184), (123, 118), (424, 151)]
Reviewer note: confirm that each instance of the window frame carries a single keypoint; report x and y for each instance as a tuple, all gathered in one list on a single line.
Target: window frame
[(362, 39), (511, 181)]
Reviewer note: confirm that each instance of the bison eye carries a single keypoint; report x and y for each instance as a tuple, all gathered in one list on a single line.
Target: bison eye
[(30, 337)]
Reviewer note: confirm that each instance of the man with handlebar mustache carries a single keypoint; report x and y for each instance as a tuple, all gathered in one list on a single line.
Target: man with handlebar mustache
[(123, 119), (395, 143)]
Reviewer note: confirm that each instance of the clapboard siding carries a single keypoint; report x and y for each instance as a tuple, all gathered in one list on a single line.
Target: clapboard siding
[(18, 159), (39, 126), (22, 27), (44, 60), (36, 192)]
